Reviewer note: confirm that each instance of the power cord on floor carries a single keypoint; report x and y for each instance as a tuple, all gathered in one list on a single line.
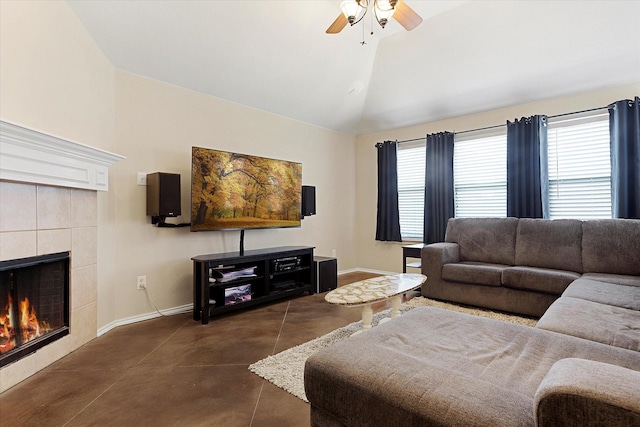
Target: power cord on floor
[(155, 307), (146, 291)]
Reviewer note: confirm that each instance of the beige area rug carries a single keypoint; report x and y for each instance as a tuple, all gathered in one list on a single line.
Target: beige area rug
[(286, 369)]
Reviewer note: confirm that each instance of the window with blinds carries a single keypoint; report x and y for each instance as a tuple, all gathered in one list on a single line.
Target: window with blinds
[(579, 174), (480, 176), (411, 168), (580, 168)]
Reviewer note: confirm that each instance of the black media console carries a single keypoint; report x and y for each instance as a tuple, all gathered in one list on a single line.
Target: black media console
[(231, 281)]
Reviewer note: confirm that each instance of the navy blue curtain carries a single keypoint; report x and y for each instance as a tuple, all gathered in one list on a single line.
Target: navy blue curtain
[(527, 171), (439, 203), (388, 220), (624, 131)]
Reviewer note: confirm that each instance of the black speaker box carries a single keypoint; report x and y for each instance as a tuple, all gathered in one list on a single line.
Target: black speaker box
[(308, 200), (163, 194), (326, 273)]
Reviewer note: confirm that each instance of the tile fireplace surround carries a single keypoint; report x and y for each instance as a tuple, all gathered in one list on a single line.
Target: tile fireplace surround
[(48, 204)]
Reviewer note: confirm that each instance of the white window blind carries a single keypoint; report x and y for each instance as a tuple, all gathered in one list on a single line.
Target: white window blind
[(580, 168), (579, 174), (480, 176), (411, 167)]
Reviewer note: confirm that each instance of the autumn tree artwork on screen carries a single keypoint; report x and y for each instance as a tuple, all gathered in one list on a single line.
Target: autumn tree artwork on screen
[(240, 191)]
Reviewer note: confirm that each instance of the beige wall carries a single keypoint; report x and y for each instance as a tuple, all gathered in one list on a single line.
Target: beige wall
[(53, 76), (55, 79), (156, 126), (387, 256)]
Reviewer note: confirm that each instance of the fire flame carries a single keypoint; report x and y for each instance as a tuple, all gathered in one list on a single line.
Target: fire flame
[(28, 321), (7, 339), (29, 325)]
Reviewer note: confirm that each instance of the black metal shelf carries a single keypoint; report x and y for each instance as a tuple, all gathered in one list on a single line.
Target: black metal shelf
[(235, 282), (262, 286), (295, 270)]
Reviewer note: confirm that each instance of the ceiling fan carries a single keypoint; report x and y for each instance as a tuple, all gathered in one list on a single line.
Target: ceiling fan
[(354, 10)]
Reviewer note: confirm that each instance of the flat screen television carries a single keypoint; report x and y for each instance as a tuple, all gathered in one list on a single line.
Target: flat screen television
[(233, 191)]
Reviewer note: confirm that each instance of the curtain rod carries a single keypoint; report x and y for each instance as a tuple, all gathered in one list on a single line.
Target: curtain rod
[(579, 112), (499, 126)]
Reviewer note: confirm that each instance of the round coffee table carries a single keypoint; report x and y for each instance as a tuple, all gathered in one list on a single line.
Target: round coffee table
[(369, 291)]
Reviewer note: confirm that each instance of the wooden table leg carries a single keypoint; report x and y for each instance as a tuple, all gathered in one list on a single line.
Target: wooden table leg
[(395, 309), (395, 306), (367, 317)]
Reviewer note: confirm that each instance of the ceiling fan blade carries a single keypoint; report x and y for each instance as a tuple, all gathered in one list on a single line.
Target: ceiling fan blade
[(406, 16), (338, 25)]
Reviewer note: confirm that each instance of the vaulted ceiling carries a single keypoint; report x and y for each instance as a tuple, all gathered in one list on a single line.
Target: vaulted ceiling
[(466, 57)]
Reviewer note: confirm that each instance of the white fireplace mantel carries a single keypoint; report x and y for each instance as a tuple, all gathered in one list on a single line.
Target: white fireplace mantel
[(30, 156)]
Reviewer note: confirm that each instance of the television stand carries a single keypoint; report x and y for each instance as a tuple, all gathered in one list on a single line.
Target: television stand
[(231, 281)]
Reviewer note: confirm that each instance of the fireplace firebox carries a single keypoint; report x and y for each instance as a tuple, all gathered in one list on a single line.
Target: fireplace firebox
[(34, 304)]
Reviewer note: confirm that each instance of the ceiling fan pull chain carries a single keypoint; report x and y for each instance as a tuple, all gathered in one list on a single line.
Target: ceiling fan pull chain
[(371, 22)]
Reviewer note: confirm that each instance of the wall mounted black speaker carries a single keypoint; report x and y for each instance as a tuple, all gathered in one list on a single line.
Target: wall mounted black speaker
[(308, 200), (163, 194)]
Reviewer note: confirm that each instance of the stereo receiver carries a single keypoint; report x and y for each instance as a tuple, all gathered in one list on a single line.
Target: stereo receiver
[(279, 265)]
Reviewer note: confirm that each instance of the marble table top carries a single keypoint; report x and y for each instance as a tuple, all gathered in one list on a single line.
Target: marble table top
[(376, 289)]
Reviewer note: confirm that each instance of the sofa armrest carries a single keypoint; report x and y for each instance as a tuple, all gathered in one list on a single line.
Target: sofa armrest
[(435, 255), (578, 392)]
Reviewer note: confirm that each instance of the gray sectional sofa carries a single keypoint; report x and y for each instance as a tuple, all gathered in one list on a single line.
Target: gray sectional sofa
[(580, 366), (523, 265)]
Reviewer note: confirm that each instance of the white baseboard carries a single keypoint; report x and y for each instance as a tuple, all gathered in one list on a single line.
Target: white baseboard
[(141, 317), (367, 270), (189, 307)]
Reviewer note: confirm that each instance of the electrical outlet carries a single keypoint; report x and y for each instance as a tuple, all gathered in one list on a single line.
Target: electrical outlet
[(142, 178), (142, 282), (333, 253)]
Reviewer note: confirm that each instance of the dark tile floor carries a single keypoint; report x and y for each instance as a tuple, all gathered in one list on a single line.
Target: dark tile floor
[(176, 371)]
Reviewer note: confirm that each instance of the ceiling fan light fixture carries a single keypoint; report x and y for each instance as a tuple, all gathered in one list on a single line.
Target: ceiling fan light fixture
[(354, 10), (383, 10)]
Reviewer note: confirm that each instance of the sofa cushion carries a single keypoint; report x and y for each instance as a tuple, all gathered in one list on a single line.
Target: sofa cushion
[(611, 246), (490, 240), (593, 321), (588, 393), (618, 279), (438, 367), (555, 244), (538, 279), (605, 293), (478, 273)]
